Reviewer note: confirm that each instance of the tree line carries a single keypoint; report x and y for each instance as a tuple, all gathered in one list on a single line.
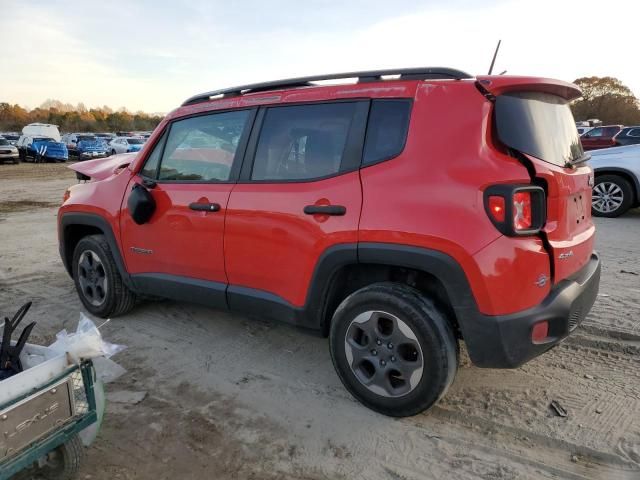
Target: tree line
[(607, 99), (603, 98), (75, 118)]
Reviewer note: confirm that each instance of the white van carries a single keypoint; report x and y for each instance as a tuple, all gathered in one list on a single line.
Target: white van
[(42, 130)]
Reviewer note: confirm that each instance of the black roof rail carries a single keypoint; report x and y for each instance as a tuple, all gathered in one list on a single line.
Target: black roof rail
[(424, 73)]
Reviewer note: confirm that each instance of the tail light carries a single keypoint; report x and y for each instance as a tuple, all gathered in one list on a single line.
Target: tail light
[(516, 209)]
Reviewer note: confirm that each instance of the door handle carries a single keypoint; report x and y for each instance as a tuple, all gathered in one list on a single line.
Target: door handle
[(337, 210), (204, 207)]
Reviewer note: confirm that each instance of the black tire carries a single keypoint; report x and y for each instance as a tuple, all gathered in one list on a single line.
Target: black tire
[(38, 158), (116, 299), (113, 151), (433, 333), (602, 183), (64, 462)]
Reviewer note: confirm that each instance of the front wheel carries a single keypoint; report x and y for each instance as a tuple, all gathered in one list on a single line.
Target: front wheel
[(98, 282), (393, 349), (612, 196)]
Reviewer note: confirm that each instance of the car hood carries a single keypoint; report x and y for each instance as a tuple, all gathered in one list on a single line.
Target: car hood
[(49, 144), (102, 168)]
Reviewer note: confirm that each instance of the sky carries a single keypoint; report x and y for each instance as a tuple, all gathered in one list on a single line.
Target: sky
[(151, 55)]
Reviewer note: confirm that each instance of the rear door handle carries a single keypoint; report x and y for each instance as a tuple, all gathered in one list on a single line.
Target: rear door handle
[(204, 207), (337, 210)]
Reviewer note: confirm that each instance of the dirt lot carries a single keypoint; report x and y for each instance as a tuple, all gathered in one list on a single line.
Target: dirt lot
[(232, 397)]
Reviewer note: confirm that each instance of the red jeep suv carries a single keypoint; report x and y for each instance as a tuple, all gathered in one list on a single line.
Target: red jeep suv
[(398, 214)]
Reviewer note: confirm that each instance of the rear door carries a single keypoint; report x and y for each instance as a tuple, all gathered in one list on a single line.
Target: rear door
[(190, 173), (299, 194), (540, 126)]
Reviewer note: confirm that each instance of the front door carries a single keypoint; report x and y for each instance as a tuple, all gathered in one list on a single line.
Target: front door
[(194, 166), (299, 194)]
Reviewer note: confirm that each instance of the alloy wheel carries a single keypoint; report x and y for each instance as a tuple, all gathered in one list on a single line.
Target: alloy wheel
[(607, 197), (92, 278), (384, 353)]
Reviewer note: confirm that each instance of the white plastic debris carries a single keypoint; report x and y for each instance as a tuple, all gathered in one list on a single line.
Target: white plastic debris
[(87, 343)]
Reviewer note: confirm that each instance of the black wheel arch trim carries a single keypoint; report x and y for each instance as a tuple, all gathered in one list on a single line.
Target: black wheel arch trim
[(70, 219)]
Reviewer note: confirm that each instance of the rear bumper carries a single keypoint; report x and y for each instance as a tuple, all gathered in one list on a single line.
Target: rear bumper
[(504, 341)]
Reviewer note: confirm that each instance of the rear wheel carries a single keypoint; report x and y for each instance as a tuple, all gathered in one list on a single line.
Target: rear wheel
[(393, 349), (98, 282), (612, 196)]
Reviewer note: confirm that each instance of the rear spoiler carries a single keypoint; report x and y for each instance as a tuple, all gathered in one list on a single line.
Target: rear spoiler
[(499, 84)]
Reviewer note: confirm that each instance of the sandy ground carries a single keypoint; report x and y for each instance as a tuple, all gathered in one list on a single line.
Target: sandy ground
[(229, 397)]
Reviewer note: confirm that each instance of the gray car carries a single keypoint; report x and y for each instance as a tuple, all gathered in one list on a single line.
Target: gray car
[(617, 180), (8, 153)]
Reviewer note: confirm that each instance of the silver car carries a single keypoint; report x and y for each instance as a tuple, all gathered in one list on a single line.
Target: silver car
[(8, 152), (617, 180)]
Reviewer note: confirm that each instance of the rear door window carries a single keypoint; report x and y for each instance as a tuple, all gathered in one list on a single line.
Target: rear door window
[(203, 148), (386, 130), (540, 125), (302, 142)]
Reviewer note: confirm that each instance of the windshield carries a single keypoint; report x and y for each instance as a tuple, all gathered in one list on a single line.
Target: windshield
[(86, 138), (12, 137), (540, 125), (43, 139), (3, 142), (135, 141)]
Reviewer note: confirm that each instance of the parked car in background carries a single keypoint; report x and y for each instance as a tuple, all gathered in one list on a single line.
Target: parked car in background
[(90, 146), (11, 137), (126, 145), (85, 145), (628, 136), (600, 137), (8, 152), (330, 208), (42, 130), (107, 137), (616, 187), (42, 149)]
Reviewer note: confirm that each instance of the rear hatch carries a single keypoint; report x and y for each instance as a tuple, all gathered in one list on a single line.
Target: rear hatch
[(533, 119)]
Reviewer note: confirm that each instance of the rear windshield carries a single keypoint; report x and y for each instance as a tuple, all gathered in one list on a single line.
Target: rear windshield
[(540, 125), (135, 141)]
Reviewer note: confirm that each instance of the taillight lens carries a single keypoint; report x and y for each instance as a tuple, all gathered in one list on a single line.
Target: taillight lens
[(66, 196), (516, 209), (522, 211)]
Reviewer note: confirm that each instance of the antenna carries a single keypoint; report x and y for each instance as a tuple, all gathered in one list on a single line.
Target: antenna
[(495, 54)]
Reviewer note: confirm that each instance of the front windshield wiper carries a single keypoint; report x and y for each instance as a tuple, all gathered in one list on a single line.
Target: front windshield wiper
[(585, 157)]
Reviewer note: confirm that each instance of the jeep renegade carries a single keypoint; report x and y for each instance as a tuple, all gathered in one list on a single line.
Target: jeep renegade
[(398, 213)]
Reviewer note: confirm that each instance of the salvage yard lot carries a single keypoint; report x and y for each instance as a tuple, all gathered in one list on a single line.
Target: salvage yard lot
[(210, 394)]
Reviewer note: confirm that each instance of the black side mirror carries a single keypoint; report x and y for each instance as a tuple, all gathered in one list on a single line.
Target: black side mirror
[(141, 204)]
